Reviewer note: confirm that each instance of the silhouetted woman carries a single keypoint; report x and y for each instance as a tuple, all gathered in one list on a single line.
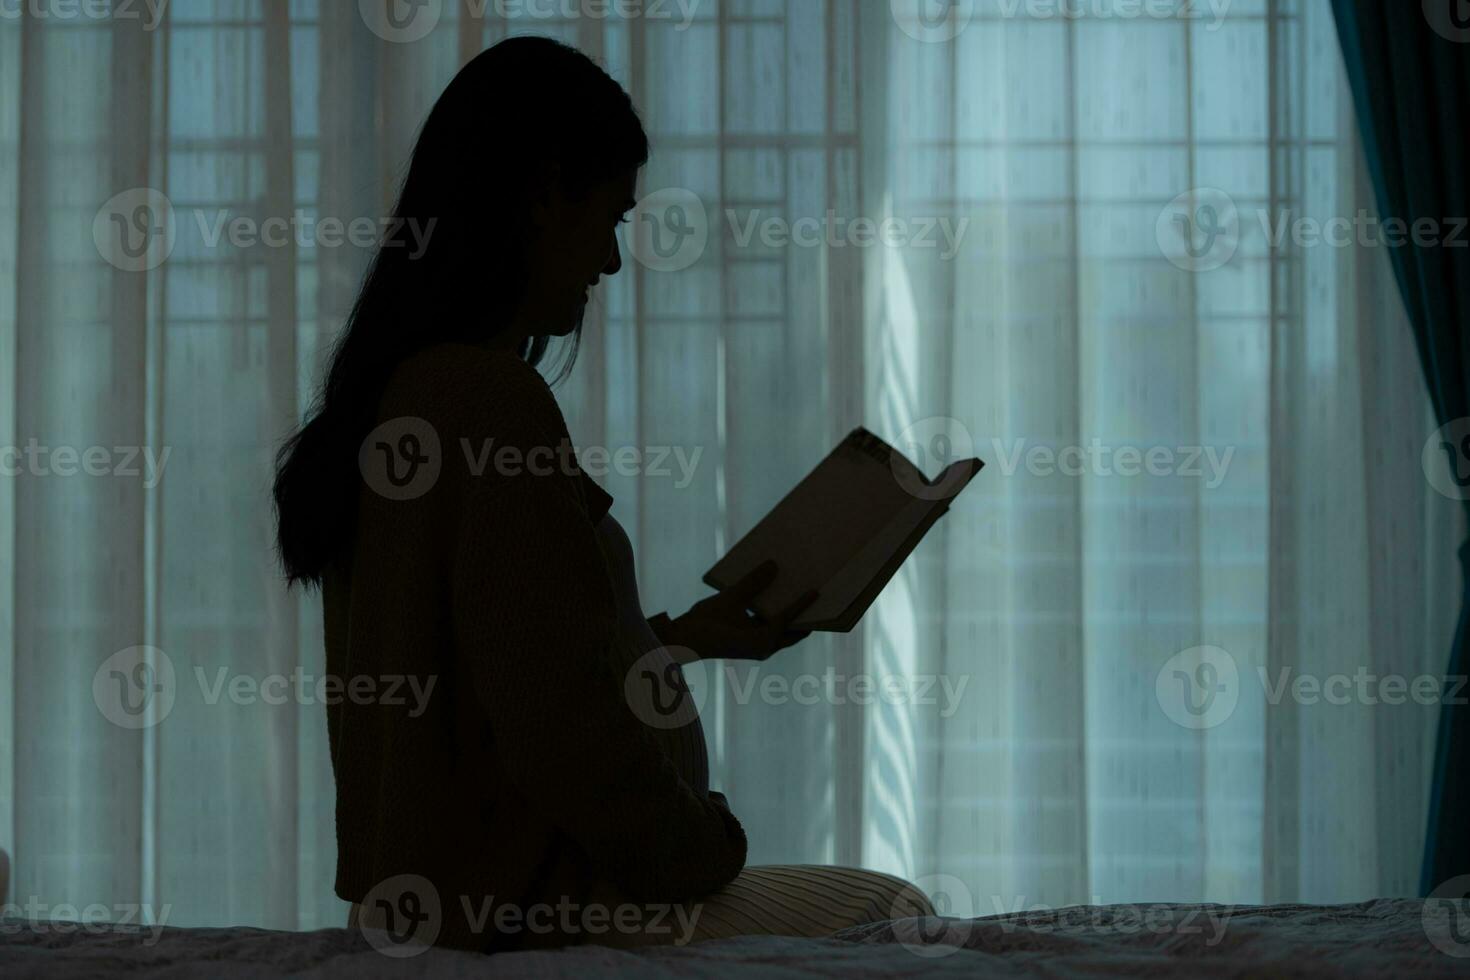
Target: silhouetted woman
[(527, 800)]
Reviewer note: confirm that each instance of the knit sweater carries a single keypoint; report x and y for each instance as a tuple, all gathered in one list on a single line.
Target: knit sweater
[(523, 778)]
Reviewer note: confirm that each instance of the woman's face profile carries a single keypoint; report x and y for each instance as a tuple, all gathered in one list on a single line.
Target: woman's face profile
[(575, 245)]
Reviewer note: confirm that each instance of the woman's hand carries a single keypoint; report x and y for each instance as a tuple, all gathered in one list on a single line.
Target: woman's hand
[(721, 627)]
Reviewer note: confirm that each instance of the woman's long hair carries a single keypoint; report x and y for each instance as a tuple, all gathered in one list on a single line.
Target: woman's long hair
[(516, 111)]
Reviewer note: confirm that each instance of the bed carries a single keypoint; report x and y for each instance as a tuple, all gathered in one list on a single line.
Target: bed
[(1388, 937)]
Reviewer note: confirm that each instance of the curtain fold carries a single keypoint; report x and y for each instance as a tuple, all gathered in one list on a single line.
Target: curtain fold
[(1411, 80), (1047, 239)]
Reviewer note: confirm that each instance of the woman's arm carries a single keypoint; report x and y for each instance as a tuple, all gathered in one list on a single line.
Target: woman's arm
[(535, 616)]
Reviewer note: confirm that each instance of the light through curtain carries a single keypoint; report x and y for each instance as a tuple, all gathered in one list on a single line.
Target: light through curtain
[(1029, 297)]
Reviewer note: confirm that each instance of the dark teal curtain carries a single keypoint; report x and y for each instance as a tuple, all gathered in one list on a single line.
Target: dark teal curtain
[(1409, 65)]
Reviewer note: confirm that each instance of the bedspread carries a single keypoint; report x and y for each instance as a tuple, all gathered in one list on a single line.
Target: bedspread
[(1379, 938)]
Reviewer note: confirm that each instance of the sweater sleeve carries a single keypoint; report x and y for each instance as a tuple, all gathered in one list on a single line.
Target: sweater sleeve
[(534, 617)]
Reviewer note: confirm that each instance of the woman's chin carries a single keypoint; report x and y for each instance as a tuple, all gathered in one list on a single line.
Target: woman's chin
[(572, 322)]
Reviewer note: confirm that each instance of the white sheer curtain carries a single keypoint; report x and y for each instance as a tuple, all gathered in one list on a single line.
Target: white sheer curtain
[(1033, 748)]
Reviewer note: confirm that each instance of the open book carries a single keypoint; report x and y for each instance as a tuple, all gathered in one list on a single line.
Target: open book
[(843, 530)]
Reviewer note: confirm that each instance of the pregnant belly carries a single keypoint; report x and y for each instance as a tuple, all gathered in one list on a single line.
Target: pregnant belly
[(653, 684), (659, 696)]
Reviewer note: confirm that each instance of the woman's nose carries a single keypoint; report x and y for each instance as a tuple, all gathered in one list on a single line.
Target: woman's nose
[(614, 260)]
